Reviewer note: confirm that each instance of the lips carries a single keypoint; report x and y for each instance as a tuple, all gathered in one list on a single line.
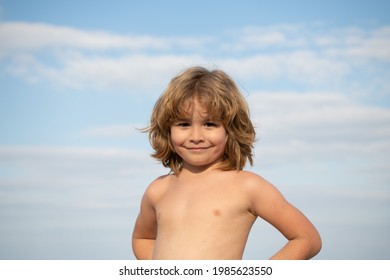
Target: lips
[(197, 148)]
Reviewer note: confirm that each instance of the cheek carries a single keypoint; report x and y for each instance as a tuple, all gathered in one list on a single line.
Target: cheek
[(225, 141), (222, 139), (176, 138), (174, 143)]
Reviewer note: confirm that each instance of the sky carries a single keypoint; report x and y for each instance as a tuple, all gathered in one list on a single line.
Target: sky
[(78, 79)]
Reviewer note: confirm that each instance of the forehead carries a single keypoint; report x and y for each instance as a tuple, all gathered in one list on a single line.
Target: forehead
[(195, 106)]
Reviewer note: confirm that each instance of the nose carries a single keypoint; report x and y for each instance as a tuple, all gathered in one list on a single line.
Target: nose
[(196, 134)]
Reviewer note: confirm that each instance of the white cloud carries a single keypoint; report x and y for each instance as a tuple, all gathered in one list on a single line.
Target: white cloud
[(130, 73), (37, 157), (253, 67), (75, 177), (312, 57), (309, 56), (275, 37), (263, 39), (112, 131), (316, 109), (303, 67), (58, 198), (21, 36), (296, 127), (357, 44)]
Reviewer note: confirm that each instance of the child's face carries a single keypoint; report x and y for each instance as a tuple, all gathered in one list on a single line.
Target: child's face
[(197, 139)]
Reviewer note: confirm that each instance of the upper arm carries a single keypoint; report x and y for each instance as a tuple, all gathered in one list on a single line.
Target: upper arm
[(146, 223), (269, 204)]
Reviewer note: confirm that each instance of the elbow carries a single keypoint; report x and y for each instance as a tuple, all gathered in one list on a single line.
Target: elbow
[(143, 248), (134, 246), (315, 245), (319, 244)]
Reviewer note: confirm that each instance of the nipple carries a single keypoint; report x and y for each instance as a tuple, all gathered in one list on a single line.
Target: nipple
[(217, 212)]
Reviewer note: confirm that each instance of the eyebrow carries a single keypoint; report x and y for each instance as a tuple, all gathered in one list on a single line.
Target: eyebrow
[(208, 118), (182, 120)]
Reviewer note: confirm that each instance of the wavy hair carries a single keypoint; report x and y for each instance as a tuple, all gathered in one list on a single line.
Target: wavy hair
[(220, 96)]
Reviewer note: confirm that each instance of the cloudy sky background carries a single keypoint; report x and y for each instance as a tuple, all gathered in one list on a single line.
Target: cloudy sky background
[(77, 78)]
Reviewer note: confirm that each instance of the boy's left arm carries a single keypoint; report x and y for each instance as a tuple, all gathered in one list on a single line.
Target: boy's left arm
[(304, 241)]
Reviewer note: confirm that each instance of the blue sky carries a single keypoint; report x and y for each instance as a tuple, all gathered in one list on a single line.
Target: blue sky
[(78, 78)]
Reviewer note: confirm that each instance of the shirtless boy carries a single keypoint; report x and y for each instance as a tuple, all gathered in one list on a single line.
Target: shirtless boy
[(205, 207)]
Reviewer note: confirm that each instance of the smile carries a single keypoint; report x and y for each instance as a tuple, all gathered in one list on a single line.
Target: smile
[(197, 149)]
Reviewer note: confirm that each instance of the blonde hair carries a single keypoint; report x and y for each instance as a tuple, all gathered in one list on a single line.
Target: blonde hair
[(219, 94)]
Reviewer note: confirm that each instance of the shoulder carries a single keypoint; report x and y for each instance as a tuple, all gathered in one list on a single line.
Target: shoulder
[(252, 181), (258, 190), (158, 187)]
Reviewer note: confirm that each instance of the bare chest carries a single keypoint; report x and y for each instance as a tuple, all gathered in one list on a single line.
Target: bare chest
[(201, 204)]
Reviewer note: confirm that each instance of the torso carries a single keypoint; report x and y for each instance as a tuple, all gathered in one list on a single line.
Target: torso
[(208, 217)]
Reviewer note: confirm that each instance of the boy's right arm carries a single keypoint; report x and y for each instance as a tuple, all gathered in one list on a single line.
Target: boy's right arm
[(145, 229)]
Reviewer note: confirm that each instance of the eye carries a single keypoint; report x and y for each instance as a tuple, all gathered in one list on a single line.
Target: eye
[(211, 124), (183, 124)]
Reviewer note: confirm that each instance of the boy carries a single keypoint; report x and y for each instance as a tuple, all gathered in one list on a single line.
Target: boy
[(205, 207)]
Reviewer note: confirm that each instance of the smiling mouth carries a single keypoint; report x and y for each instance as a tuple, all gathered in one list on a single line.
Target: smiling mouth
[(197, 148)]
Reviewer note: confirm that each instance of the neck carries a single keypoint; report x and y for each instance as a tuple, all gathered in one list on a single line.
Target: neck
[(198, 170)]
